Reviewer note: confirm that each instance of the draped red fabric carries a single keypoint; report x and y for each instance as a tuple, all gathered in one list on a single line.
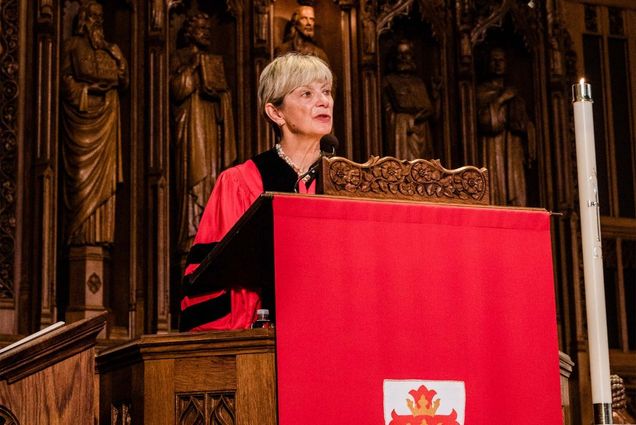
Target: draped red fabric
[(368, 291)]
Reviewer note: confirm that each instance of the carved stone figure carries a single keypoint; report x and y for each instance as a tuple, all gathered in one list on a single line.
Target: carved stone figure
[(93, 70), (506, 134), (300, 37), (203, 121), (408, 108)]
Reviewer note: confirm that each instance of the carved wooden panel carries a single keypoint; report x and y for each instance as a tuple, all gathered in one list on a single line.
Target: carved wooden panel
[(8, 142), (417, 180), (120, 414), (206, 409)]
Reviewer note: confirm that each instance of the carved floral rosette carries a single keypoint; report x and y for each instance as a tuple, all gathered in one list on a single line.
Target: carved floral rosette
[(417, 180)]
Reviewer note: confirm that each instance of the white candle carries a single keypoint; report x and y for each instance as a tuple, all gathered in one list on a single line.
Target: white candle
[(592, 252)]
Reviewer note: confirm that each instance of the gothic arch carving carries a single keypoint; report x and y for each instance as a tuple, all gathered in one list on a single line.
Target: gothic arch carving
[(388, 10), (485, 21)]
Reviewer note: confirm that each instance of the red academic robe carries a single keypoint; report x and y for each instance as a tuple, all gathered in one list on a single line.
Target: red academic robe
[(235, 191)]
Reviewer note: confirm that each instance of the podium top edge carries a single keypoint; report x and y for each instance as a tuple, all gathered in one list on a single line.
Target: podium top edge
[(271, 195)]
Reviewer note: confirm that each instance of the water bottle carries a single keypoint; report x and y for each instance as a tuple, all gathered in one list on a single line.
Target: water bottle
[(262, 319)]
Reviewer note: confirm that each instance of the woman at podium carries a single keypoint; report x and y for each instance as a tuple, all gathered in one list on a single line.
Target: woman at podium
[(295, 95)]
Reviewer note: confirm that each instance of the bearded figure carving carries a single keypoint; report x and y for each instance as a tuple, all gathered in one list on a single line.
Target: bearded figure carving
[(92, 72), (300, 37), (408, 108)]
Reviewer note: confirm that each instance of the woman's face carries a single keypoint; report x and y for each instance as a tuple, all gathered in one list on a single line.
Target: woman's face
[(308, 110)]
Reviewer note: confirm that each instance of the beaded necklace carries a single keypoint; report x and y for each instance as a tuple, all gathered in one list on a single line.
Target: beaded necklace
[(288, 160)]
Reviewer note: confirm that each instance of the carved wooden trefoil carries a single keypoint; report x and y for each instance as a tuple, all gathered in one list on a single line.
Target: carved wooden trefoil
[(417, 180)]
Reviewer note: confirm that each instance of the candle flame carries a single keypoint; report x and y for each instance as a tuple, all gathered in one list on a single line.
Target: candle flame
[(582, 81)]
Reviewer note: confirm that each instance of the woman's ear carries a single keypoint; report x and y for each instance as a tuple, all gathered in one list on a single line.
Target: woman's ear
[(274, 114)]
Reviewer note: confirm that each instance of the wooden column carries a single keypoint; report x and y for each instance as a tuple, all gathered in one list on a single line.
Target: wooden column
[(46, 89)]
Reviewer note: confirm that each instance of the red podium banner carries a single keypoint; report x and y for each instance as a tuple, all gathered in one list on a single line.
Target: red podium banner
[(454, 302)]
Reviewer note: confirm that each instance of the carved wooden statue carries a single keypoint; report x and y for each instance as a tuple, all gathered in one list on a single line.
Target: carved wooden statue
[(205, 141), (407, 107), (93, 70), (301, 35), (506, 134)]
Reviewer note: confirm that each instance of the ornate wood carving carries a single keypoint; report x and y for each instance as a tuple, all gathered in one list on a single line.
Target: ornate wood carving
[(376, 17), (206, 409), (262, 14), (464, 16), (120, 415), (417, 180), (7, 417), (45, 12), (157, 15), (387, 10), (475, 18), (8, 143), (486, 20), (369, 29), (158, 11)]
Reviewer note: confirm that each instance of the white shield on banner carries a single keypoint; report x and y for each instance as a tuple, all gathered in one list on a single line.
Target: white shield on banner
[(424, 401)]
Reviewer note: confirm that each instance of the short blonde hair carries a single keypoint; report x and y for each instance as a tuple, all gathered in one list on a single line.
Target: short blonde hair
[(288, 72)]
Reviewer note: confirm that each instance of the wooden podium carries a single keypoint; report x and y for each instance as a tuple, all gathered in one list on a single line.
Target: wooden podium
[(367, 293), (357, 282), (51, 379)]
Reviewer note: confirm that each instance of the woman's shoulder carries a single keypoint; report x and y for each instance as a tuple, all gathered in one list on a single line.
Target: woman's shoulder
[(243, 176)]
